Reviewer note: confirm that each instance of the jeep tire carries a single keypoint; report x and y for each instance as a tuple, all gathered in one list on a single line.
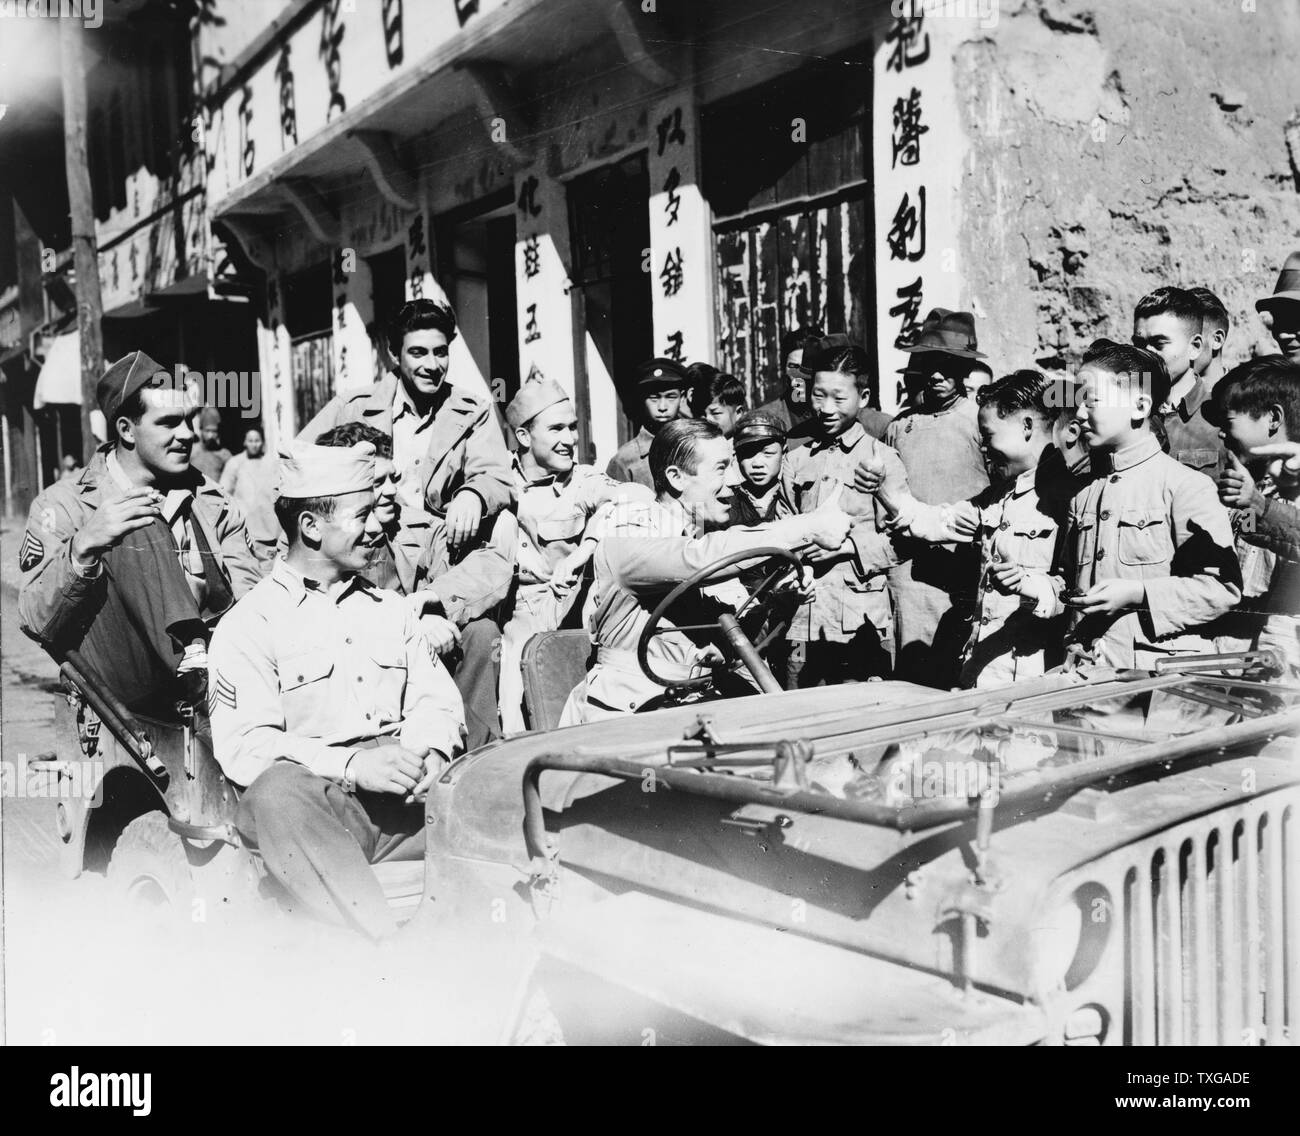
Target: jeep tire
[(149, 865)]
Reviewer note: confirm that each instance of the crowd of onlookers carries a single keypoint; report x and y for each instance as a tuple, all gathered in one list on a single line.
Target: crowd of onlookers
[(356, 611)]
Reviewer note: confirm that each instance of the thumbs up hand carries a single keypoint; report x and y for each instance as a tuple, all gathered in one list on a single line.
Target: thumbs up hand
[(1236, 485), (828, 524), (869, 475)]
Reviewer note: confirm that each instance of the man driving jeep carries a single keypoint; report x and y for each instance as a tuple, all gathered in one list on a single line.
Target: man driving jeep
[(650, 547)]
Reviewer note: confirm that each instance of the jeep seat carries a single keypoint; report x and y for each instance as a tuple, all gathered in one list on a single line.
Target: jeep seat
[(554, 663)]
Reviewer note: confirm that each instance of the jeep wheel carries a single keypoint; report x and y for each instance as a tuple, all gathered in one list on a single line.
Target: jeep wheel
[(149, 865)]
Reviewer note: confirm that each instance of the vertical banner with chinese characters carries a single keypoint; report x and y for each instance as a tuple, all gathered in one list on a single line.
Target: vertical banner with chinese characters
[(278, 426), (681, 244), (918, 156), (353, 312), (544, 306)]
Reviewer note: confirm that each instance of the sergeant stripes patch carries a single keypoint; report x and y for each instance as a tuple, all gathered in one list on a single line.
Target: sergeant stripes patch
[(223, 691), (31, 553)]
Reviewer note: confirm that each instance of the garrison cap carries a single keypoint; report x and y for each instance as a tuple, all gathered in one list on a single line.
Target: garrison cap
[(661, 374), (123, 379), (532, 399), (326, 471)]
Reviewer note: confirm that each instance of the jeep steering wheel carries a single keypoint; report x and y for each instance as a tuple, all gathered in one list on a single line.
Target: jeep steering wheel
[(728, 623)]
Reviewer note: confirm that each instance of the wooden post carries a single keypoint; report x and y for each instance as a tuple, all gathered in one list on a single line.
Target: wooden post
[(85, 251)]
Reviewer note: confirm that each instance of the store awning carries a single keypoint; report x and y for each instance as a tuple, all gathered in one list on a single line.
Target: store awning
[(60, 377)]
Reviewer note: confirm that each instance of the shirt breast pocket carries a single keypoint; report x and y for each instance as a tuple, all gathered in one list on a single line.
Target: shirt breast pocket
[(385, 701), (304, 687), (1203, 460), (566, 527), (1034, 546), (1143, 537)]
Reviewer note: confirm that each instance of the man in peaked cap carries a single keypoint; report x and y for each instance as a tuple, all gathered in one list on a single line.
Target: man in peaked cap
[(937, 437), (132, 561), (326, 702), (1282, 309), (661, 385), (562, 509)]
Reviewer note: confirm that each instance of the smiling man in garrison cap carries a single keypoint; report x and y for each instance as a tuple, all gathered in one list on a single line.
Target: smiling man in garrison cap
[(562, 509), (327, 704), (132, 560)]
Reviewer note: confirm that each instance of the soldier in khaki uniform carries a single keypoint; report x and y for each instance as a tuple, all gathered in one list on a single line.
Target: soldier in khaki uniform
[(133, 560), (326, 702), (846, 632), (649, 547), (452, 467), (661, 386), (562, 507)]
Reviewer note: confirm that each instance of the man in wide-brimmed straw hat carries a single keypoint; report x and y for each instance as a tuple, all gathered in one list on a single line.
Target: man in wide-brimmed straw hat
[(1282, 309), (937, 437)]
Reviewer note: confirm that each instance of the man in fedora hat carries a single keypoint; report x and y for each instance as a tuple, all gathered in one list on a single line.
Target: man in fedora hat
[(937, 438), (562, 508), (132, 561), (327, 705), (1282, 309)]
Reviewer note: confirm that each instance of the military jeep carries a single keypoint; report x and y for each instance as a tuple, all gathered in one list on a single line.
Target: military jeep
[(1088, 858)]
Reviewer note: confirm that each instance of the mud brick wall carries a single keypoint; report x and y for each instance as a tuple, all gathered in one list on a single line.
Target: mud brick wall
[(1115, 147)]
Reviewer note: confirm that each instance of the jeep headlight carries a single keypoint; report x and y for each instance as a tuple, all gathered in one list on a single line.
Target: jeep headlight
[(1067, 942)]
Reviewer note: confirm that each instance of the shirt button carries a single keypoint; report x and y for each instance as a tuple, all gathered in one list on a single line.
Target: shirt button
[(1101, 552), (984, 619), (1114, 477), (299, 679), (360, 679), (1105, 514), (1005, 525), (348, 640)]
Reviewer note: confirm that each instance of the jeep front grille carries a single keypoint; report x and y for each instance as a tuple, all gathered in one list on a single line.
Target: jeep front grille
[(1210, 915)]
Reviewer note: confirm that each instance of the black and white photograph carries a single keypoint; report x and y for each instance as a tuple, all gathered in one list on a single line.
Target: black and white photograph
[(650, 523)]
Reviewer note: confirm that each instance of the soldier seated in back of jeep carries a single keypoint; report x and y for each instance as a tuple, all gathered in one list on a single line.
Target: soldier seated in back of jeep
[(132, 561)]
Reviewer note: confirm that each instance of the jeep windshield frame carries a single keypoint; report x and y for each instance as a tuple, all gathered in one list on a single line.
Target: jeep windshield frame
[(715, 767)]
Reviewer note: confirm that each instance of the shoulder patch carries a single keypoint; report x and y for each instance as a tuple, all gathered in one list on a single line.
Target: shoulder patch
[(31, 553), (221, 691)]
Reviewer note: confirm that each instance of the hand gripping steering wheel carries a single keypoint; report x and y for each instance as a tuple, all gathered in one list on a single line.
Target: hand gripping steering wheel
[(727, 623)]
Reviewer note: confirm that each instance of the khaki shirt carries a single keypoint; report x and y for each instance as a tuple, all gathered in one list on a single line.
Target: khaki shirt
[(460, 446), (648, 548), (556, 514), (852, 592), (632, 461), (1147, 517), (302, 673), (56, 602)]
